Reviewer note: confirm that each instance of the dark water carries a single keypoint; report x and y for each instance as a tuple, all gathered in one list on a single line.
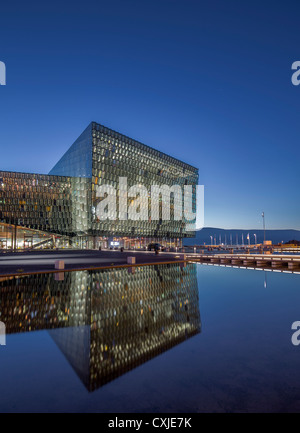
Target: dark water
[(160, 339)]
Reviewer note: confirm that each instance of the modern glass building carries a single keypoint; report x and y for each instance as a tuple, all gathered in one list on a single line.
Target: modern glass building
[(61, 208)]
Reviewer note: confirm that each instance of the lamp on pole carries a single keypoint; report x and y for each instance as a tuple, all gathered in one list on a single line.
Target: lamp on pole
[(264, 225)]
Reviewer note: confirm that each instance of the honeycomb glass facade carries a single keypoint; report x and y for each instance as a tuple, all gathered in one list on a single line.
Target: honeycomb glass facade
[(43, 205), (64, 202), (116, 156)]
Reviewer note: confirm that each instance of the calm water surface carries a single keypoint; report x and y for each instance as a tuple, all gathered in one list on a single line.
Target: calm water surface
[(155, 339)]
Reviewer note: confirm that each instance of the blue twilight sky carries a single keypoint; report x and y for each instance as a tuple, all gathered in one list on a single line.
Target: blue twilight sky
[(208, 82)]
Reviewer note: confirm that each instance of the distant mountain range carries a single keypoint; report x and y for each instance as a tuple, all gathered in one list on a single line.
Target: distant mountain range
[(225, 235)]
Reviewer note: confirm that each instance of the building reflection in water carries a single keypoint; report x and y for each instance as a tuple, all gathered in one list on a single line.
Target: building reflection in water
[(106, 322)]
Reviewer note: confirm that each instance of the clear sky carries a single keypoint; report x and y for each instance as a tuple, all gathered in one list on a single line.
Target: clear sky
[(208, 82)]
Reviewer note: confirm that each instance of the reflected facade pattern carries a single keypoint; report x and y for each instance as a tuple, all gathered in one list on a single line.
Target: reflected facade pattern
[(64, 202), (106, 322)]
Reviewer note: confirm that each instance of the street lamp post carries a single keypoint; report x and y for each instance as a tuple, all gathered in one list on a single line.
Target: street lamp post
[(264, 225)]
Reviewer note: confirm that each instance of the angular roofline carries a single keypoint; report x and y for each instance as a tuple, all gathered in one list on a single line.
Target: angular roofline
[(36, 174), (149, 147)]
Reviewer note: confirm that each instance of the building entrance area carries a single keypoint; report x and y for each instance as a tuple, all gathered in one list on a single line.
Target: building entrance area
[(18, 238)]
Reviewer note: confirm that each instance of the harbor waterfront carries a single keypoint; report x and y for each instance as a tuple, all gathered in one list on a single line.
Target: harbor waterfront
[(291, 262), (39, 261), (164, 338)]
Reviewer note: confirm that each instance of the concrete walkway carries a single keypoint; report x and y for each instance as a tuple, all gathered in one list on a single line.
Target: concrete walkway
[(38, 261)]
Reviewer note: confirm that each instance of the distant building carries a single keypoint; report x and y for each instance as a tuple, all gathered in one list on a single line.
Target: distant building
[(293, 243)]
